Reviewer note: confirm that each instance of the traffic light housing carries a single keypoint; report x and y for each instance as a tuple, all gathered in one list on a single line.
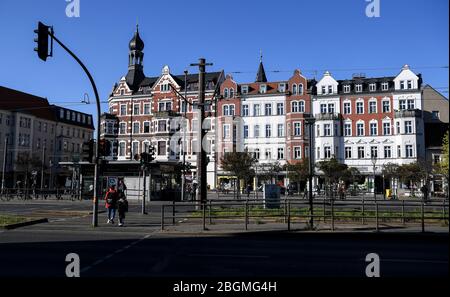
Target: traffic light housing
[(42, 41), (104, 148), (88, 150), (147, 158)]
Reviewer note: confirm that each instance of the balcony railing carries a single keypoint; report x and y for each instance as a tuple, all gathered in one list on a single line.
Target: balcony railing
[(408, 113), (327, 116), (166, 114)]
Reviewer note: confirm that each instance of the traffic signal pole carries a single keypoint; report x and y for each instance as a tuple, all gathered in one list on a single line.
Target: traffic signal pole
[(96, 150)]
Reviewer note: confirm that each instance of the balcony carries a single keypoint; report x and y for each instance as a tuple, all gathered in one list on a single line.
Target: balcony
[(327, 116), (166, 114), (408, 113)]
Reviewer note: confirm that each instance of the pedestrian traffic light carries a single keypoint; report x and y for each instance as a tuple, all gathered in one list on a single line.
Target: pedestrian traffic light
[(42, 41), (88, 150)]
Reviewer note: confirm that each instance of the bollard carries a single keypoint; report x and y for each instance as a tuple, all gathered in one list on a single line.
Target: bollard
[(363, 210), (332, 215), (173, 213), (403, 212), (162, 217), (246, 215), (204, 215), (376, 216), (289, 215), (422, 213)]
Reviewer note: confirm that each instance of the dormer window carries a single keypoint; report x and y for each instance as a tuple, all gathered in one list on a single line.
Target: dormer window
[(324, 90), (282, 87), (410, 84), (225, 93), (263, 89), (384, 86), (402, 85), (330, 89), (165, 87), (231, 93), (347, 89), (358, 88), (372, 87), (294, 89), (121, 92), (244, 89), (300, 89)]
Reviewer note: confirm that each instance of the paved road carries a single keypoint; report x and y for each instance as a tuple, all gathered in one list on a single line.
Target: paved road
[(140, 249)]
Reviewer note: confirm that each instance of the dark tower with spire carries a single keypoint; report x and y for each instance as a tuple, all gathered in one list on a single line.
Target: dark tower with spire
[(135, 73), (261, 75)]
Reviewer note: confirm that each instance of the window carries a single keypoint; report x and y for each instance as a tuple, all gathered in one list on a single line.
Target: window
[(398, 127), (268, 131), (244, 89), (297, 152), (122, 128), (282, 87), (372, 87), (409, 151), (324, 90), (146, 127), (280, 130), (161, 148), (256, 131), (294, 105), (73, 116), (402, 85), (331, 108), (256, 110), (300, 89), (359, 107), (280, 155), (231, 110), (360, 129), (122, 149), (318, 130), (280, 108), (372, 107), (330, 89), (268, 109), (165, 87), (136, 110), (262, 89), (399, 151), (373, 129), (145, 146), (162, 126), (358, 88), (256, 154), (231, 93), (327, 152), (245, 110), (348, 152), (327, 130), (347, 129), (323, 108), (360, 152), (410, 86), (402, 104), (347, 89), (135, 148), (387, 152), (347, 107), (386, 106), (408, 127), (410, 103), (318, 153), (435, 114), (226, 131), (297, 129), (226, 110), (123, 109), (384, 86), (294, 89), (225, 93), (268, 154), (147, 108), (386, 128), (374, 152), (245, 131)]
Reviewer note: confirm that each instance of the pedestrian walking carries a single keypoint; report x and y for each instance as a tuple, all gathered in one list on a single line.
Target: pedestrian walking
[(249, 188), (341, 192), (122, 207), (111, 198), (424, 190)]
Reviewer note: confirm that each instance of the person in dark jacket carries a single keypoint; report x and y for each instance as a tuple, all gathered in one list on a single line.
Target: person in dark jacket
[(111, 198), (122, 207)]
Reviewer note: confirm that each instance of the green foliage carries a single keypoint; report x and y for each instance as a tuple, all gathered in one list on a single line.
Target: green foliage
[(442, 166), (239, 164), (298, 171), (332, 169)]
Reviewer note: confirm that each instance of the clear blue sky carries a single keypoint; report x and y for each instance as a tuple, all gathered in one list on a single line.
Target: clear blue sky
[(325, 34)]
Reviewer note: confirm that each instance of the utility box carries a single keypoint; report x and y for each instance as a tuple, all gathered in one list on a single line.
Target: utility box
[(271, 194)]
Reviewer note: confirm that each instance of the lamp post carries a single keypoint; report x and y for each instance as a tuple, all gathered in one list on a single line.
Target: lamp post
[(310, 123), (373, 158)]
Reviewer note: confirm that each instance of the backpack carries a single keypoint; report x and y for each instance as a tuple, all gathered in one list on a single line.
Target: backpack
[(109, 198)]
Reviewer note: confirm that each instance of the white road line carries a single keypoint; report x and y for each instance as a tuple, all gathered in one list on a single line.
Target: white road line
[(118, 251)]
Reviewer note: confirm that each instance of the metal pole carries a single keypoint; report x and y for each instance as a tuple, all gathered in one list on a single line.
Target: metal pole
[(201, 161), (422, 213), (173, 212), (376, 216), (96, 151), (162, 217), (246, 215), (183, 178), (4, 164), (42, 168), (363, 210), (289, 215), (311, 205), (403, 212), (144, 174), (332, 214), (210, 207), (204, 215)]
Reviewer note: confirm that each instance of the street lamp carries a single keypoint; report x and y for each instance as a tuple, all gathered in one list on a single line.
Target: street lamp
[(373, 158), (309, 121)]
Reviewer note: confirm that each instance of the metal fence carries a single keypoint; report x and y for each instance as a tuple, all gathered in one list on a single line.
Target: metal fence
[(369, 213)]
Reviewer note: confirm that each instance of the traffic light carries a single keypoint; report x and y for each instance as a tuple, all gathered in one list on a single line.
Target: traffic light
[(104, 147), (42, 41), (147, 158), (88, 150)]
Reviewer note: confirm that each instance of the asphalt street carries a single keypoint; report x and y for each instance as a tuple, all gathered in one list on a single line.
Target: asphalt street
[(141, 249)]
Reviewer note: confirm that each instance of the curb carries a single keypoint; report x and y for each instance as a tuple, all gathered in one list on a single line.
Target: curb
[(28, 223)]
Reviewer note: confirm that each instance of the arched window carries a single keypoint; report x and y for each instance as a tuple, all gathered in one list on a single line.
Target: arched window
[(294, 107), (294, 89), (300, 89), (225, 93), (301, 106), (231, 93)]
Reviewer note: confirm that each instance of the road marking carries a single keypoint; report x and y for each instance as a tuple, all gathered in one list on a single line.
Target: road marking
[(118, 251), (229, 256)]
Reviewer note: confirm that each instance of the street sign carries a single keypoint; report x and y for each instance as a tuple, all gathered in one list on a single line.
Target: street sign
[(112, 181)]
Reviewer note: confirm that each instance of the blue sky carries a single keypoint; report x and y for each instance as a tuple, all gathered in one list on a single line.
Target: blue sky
[(326, 34)]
